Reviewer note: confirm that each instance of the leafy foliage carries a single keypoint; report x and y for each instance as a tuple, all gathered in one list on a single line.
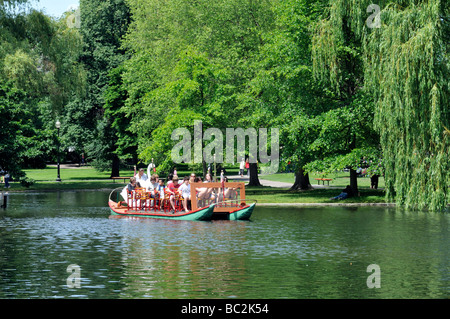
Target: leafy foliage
[(404, 66), (408, 68)]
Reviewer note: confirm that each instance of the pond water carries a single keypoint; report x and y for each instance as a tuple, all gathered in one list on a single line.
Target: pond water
[(281, 253)]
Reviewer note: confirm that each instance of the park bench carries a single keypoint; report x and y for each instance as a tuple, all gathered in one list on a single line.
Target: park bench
[(125, 179), (323, 180)]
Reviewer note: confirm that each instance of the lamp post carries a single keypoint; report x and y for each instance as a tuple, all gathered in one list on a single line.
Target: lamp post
[(214, 180), (58, 126)]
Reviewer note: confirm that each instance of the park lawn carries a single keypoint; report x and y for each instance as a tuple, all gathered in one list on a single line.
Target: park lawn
[(68, 185), (83, 173), (318, 195), (72, 174), (340, 179)]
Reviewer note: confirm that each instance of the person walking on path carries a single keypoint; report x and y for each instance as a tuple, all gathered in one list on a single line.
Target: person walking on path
[(7, 177), (242, 167)]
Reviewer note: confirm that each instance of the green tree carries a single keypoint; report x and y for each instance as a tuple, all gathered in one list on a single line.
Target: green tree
[(283, 93), (103, 24), (189, 62), (38, 58), (120, 136), (403, 62), (338, 63), (16, 135), (408, 71)]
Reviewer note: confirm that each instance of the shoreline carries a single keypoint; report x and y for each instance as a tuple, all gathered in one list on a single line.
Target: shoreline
[(299, 204), (326, 204)]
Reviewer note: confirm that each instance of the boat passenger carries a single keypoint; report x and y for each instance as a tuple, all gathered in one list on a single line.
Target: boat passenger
[(205, 193), (141, 177), (172, 190), (151, 186), (169, 179), (133, 184), (155, 180), (159, 192), (161, 187), (185, 190), (131, 188), (229, 192)]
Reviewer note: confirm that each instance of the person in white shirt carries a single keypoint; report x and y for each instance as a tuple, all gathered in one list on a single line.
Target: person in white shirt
[(141, 178), (155, 181), (151, 168), (185, 190), (242, 167)]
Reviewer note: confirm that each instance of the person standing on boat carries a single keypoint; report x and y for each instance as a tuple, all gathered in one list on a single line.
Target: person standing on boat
[(151, 169)]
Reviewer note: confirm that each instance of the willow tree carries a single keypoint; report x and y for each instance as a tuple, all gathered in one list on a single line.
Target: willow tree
[(338, 64), (408, 71), (404, 48)]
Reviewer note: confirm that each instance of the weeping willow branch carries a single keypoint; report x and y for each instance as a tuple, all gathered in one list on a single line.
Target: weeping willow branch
[(406, 71)]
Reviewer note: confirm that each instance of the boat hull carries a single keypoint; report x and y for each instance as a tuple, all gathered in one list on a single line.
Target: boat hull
[(204, 213), (243, 213)]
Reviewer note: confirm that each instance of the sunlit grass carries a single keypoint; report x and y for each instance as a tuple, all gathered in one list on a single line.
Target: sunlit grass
[(340, 179), (83, 173), (318, 195)]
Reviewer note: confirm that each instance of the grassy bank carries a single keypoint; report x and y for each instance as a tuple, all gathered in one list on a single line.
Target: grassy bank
[(90, 179), (85, 173), (319, 195), (340, 179)]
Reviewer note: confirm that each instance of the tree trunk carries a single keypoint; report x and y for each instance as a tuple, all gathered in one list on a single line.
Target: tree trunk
[(301, 181), (354, 182), (353, 175), (204, 168), (254, 180), (115, 171)]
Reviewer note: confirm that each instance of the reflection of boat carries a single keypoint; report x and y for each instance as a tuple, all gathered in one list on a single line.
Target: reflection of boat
[(204, 213)]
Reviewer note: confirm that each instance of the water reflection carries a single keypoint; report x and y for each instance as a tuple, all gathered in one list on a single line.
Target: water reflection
[(281, 253), (175, 259)]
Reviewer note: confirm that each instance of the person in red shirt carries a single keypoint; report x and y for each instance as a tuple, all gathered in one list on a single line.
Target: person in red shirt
[(172, 189)]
